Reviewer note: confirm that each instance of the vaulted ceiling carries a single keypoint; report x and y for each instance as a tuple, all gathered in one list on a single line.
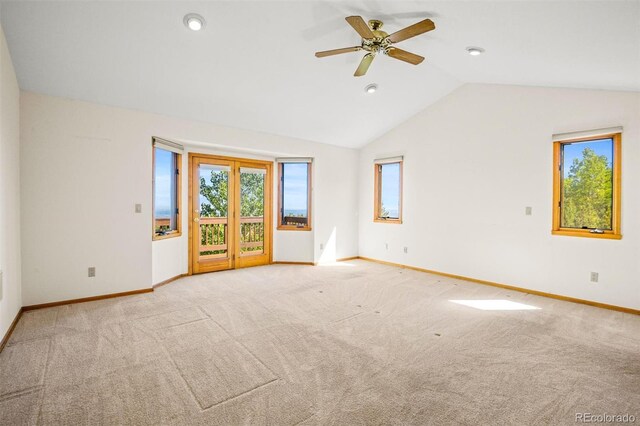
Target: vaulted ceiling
[(253, 65)]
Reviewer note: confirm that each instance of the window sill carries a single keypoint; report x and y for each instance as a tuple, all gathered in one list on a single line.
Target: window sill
[(293, 228), (586, 234), (396, 221), (167, 236)]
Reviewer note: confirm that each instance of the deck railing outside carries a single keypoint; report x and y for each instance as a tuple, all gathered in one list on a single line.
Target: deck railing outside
[(298, 221), (214, 236)]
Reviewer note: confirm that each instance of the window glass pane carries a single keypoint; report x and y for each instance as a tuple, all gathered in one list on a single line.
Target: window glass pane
[(165, 202), (214, 205), (390, 190), (294, 194), (251, 211), (587, 185)]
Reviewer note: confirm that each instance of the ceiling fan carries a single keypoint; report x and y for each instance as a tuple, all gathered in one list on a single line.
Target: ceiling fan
[(375, 41)]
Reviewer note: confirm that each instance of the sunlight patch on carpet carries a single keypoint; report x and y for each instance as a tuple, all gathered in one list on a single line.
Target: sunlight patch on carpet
[(495, 305)]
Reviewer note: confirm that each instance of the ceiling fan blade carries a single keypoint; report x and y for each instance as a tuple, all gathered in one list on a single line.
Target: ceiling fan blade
[(360, 26), (412, 31), (364, 65), (337, 51), (403, 55)]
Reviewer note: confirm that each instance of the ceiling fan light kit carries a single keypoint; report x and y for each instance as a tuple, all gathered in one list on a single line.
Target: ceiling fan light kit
[(375, 41)]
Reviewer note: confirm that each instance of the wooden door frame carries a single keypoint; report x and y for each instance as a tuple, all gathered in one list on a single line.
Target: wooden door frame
[(223, 263), (247, 261), (268, 202)]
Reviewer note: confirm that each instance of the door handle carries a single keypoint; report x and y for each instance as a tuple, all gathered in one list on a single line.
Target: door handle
[(195, 219)]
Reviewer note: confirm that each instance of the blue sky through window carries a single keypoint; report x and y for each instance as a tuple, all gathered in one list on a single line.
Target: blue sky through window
[(574, 150), (390, 190), (294, 194), (163, 175)]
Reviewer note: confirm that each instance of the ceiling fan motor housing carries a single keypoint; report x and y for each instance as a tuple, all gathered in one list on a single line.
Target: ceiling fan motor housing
[(380, 42), (375, 24)]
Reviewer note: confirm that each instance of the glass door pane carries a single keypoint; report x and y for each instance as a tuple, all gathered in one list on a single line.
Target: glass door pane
[(252, 201), (213, 211)]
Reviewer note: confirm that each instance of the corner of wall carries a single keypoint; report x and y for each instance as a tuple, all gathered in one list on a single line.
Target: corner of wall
[(10, 247)]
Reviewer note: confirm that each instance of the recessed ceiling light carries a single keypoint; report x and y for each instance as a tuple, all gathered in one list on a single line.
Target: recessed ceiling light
[(371, 88), (193, 21), (475, 51)]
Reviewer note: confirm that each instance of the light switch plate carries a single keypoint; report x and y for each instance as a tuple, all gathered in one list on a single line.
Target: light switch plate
[(138, 208), (527, 211), (594, 277), (91, 272)]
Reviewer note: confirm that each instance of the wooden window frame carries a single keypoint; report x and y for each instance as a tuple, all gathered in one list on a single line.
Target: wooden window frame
[(178, 231), (377, 196), (615, 232), (281, 226)]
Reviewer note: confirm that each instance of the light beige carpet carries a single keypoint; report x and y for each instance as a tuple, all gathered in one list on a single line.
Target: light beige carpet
[(348, 344)]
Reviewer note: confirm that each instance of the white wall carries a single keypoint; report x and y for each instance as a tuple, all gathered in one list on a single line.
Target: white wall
[(474, 161), (85, 166), (10, 291)]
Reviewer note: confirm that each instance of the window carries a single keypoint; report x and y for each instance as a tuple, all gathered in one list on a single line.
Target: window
[(294, 202), (388, 191), (166, 190), (586, 196)]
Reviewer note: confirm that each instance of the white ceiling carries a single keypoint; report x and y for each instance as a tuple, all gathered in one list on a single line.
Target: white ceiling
[(253, 66)]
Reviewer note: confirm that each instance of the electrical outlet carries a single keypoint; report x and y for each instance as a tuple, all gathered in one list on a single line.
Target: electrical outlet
[(386, 246), (138, 208), (92, 271), (594, 277), (527, 211), (406, 250)]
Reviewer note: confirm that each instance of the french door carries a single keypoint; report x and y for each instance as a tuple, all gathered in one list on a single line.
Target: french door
[(230, 213)]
